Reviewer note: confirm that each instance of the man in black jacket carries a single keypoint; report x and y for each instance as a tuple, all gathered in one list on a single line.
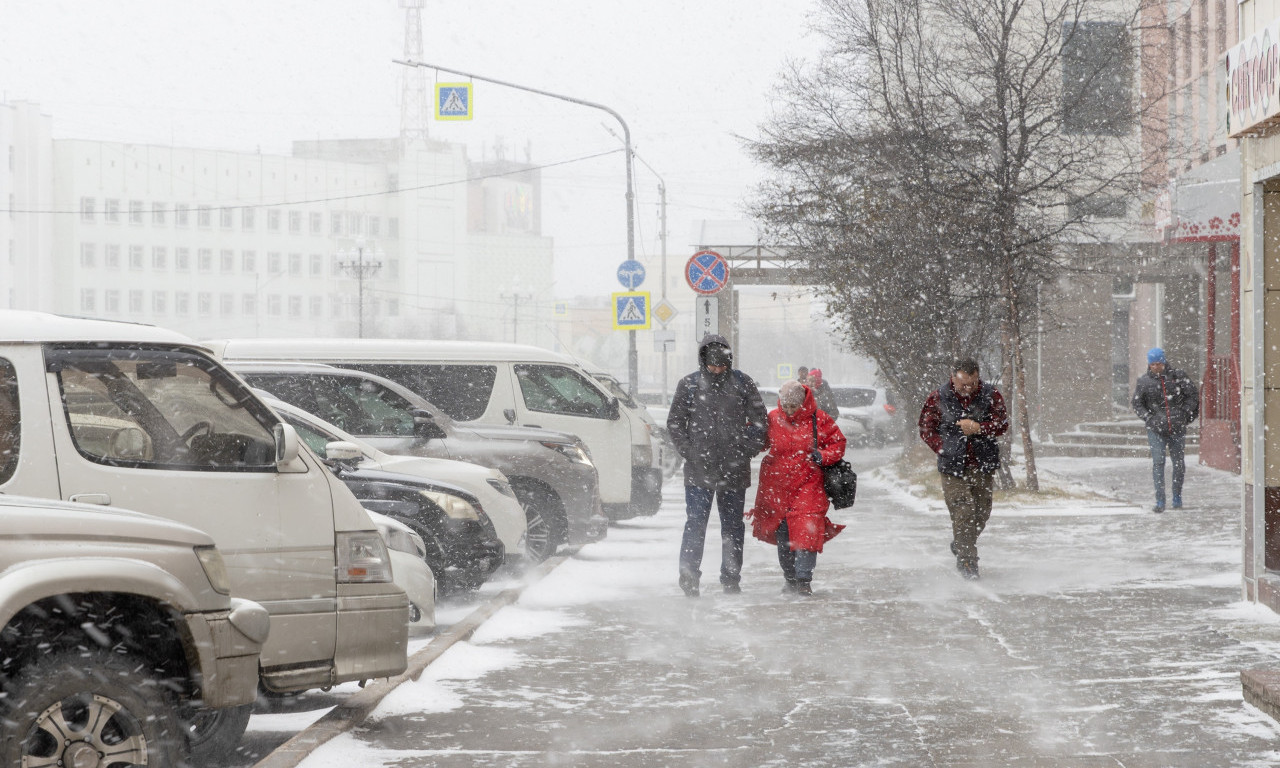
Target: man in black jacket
[(717, 422), (1167, 401)]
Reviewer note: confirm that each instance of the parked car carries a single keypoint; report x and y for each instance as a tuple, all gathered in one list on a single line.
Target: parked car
[(140, 417), (551, 473), (869, 412), (118, 628), (460, 544), (412, 573), (498, 384), (485, 483), (665, 453)]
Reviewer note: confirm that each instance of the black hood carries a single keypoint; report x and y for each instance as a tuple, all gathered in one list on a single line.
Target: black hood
[(708, 340)]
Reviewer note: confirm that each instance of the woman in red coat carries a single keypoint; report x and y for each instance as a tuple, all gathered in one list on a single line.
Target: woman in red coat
[(791, 507)]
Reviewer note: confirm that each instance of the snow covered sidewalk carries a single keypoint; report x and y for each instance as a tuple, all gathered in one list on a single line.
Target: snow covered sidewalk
[(1100, 634)]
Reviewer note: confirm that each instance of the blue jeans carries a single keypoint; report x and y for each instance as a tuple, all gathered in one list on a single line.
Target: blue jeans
[(796, 564), (697, 502), (1173, 445)]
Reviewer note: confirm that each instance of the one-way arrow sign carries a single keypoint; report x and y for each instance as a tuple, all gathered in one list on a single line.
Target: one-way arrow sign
[(706, 317)]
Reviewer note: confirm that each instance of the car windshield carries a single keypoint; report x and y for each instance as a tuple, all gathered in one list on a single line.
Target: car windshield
[(855, 397)]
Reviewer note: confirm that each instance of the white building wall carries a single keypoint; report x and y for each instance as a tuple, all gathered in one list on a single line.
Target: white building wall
[(26, 228)]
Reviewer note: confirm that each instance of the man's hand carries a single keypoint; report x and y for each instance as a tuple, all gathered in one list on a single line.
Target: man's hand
[(969, 426)]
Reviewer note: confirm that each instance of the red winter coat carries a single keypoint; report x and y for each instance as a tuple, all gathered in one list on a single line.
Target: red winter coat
[(790, 481)]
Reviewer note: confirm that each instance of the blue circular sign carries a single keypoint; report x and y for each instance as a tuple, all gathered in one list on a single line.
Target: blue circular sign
[(707, 272), (631, 274)]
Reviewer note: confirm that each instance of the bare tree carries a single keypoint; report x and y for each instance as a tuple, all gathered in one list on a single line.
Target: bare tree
[(988, 134)]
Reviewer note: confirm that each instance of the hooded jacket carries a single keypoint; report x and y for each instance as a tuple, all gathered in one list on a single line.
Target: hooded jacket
[(717, 423), (791, 482), (1166, 403)]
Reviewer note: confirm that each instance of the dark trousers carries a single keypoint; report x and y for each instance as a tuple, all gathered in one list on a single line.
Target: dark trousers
[(968, 498), (796, 564), (1172, 445), (697, 502)]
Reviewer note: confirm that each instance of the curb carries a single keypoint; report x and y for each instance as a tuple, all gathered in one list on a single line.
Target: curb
[(360, 705)]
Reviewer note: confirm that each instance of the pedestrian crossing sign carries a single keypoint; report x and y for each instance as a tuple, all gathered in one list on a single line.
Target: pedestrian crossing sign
[(632, 311), (453, 101)]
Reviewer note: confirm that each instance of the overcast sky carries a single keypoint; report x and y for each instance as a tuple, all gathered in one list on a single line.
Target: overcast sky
[(257, 74)]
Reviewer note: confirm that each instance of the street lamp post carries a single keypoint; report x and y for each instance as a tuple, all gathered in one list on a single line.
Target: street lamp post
[(633, 359), (352, 261)]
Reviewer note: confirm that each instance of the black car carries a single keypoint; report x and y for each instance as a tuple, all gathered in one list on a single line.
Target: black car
[(463, 549)]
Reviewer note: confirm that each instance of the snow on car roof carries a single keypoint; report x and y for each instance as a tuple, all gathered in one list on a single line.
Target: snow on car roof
[(40, 327), (380, 350)]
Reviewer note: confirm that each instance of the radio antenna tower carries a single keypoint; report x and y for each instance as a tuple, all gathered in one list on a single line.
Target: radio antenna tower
[(413, 80)]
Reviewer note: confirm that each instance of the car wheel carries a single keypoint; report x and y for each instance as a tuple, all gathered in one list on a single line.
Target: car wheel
[(214, 734), (89, 707), (544, 517)]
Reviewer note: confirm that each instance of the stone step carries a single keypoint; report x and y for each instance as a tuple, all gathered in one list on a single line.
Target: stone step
[(1090, 450), (1112, 438)]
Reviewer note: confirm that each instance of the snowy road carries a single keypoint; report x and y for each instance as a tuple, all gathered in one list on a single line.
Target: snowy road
[(1100, 635)]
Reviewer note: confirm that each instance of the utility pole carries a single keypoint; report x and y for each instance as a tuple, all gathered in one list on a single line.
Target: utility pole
[(662, 236), (515, 312), (352, 261), (633, 357)]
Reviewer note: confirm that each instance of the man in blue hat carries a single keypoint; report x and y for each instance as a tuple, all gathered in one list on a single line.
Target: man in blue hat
[(1167, 401)]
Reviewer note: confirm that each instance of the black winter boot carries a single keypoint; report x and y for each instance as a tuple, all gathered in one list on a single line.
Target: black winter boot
[(689, 583), (803, 588), (790, 586), (968, 567)]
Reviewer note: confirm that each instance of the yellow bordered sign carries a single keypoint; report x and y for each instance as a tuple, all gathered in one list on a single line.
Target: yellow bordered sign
[(453, 101), (632, 311)]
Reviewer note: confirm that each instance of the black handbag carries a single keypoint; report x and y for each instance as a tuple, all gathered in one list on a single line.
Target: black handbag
[(838, 480)]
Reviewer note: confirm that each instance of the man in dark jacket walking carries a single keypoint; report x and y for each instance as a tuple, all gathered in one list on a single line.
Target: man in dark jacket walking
[(960, 421), (1167, 401), (717, 422)]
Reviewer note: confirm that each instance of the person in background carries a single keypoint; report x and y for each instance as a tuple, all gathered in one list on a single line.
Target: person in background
[(826, 399), (1167, 401), (960, 421), (718, 423), (791, 505)]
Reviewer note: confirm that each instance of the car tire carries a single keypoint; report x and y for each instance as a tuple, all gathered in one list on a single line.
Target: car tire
[(104, 698), (214, 734), (544, 519)]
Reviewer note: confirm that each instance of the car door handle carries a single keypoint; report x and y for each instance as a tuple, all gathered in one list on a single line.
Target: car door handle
[(91, 498)]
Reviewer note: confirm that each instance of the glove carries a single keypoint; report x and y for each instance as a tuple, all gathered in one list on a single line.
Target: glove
[(816, 456)]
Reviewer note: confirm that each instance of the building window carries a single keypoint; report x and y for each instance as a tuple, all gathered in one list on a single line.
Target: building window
[(111, 210), (393, 307), (159, 300), (182, 215), (135, 211), (393, 228), (295, 222), (88, 300), (1097, 78), (317, 223), (204, 303), (248, 219), (135, 257), (182, 303), (111, 301), (295, 306), (204, 260), (182, 259), (227, 261), (355, 223), (250, 304), (295, 264), (375, 226), (335, 223), (317, 265), (317, 306), (87, 209), (158, 214), (393, 269), (135, 302), (274, 265), (273, 219), (273, 305), (111, 256), (226, 217), (249, 261), (87, 256), (159, 257), (204, 217), (227, 304)]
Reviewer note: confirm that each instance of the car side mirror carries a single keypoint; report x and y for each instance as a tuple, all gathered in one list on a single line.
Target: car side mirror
[(288, 452), (611, 410), (510, 414), (425, 426), (343, 451)]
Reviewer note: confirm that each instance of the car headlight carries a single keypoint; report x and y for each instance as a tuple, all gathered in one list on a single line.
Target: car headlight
[(362, 558), (641, 455), (214, 568), (502, 487), (453, 506), (571, 451), (405, 541)]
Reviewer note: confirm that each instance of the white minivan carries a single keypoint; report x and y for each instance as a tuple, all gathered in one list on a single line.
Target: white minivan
[(144, 418), (494, 383)]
